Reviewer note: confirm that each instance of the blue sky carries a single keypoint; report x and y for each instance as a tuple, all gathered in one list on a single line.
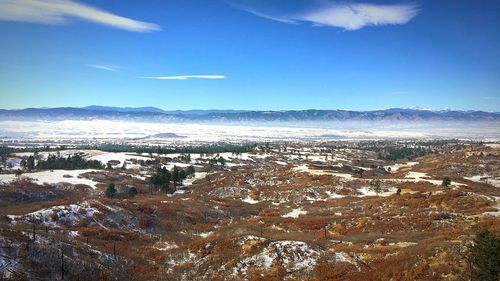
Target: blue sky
[(242, 54)]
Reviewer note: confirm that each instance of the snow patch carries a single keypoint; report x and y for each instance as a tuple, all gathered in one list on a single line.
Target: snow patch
[(69, 215), (250, 200), (292, 255), (54, 176), (485, 178), (295, 213), (394, 168)]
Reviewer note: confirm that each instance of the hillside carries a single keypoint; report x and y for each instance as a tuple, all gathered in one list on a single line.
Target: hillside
[(319, 211)]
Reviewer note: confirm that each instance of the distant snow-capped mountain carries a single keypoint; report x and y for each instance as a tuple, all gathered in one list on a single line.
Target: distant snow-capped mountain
[(158, 110), (124, 109), (156, 114)]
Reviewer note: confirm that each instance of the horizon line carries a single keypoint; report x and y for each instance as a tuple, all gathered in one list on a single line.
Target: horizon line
[(257, 110)]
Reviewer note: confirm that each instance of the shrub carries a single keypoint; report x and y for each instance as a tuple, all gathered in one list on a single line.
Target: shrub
[(484, 255), (111, 190), (132, 191)]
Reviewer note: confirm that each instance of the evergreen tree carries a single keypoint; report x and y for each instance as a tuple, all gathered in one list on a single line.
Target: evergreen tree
[(446, 181), (484, 256), (222, 161), (76, 161), (175, 177), (161, 179), (376, 185), (132, 191), (19, 172), (182, 175), (3, 161), (30, 164), (190, 170), (155, 181), (359, 172), (165, 180), (111, 190)]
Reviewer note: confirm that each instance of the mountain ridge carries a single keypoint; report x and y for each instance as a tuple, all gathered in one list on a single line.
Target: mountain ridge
[(156, 114)]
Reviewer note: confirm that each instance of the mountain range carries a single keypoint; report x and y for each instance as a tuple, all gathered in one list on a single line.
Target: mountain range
[(158, 110), (153, 114)]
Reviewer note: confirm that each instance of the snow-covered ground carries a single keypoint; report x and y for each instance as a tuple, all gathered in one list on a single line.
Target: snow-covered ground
[(54, 177), (99, 155), (205, 234), (366, 191), (69, 215), (104, 157), (292, 255), (13, 163), (262, 131), (197, 176), (418, 176), (166, 246), (394, 168), (305, 168), (295, 213), (250, 200), (333, 195), (493, 145), (485, 179), (225, 155)]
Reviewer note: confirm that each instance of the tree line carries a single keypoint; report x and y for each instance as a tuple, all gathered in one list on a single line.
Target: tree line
[(75, 161), (6, 151), (200, 149)]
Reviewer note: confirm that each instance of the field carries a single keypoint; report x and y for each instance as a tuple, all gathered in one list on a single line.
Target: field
[(335, 210), (175, 133)]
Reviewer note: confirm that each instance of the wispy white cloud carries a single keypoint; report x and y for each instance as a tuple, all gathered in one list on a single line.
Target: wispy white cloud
[(185, 77), (348, 16), (103, 67), (358, 15), (58, 12), (490, 98), (258, 13)]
